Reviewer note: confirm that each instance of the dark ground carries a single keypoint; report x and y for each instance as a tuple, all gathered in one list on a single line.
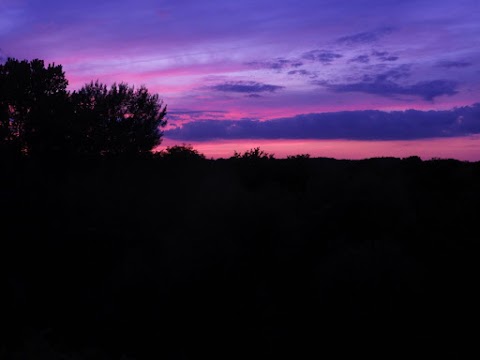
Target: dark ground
[(237, 259)]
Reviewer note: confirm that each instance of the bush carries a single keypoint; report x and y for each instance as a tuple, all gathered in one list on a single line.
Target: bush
[(181, 152), (253, 154)]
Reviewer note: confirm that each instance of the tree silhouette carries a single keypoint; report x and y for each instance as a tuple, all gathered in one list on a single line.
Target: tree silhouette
[(254, 154), (39, 117), (181, 152), (33, 105), (119, 120), (299, 157)]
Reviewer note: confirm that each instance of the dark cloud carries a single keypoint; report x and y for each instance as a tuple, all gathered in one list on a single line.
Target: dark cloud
[(276, 64), (365, 37), (380, 53), (390, 58), (427, 90), (325, 57), (302, 72), (384, 56), (379, 74), (386, 84), (396, 73), (354, 125), (364, 59), (454, 64), (254, 96), (246, 87)]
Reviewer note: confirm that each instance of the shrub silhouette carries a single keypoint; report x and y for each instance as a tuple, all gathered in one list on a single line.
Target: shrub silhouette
[(299, 157), (253, 154), (254, 167), (181, 152)]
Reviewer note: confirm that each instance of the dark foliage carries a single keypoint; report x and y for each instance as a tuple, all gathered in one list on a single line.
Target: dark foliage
[(254, 154), (119, 120), (40, 118), (293, 258), (33, 107), (181, 153)]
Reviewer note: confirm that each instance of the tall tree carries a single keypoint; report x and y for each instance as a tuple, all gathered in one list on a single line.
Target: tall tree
[(119, 120), (33, 105), (39, 117)]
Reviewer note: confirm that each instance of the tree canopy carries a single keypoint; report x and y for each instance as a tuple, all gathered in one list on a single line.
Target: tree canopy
[(33, 100), (38, 116), (118, 120)]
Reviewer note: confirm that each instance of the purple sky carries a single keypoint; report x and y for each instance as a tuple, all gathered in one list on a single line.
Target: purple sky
[(277, 66)]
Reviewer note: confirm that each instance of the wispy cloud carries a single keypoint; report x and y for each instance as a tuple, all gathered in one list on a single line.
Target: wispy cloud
[(364, 59), (326, 57), (194, 58), (384, 56), (386, 83), (187, 115), (246, 87), (454, 64), (365, 37), (302, 72), (276, 64), (427, 90)]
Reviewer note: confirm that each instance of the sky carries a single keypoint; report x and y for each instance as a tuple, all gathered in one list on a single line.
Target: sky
[(335, 78)]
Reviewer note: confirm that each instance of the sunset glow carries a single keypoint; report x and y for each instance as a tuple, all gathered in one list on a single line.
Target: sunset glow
[(219, 60)]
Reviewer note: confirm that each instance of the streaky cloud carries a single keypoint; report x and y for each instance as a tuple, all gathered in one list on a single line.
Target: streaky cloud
[(365, 37), (276, 64), (246, 87), (363, 59), (326, 57), (454, 64), (386, 84), (384, 56), (302, 72), (181, 115), (427, 90), (395, 73), (390, 58)]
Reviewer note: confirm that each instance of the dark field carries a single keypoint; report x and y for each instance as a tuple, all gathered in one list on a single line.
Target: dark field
[(238, 259)]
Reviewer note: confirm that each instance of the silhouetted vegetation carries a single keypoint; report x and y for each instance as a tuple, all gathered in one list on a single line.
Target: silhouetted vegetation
[(119, 120), (177, 256), (180, 258), (181, 153), (253, 155), (39, 117), (33, 105)]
